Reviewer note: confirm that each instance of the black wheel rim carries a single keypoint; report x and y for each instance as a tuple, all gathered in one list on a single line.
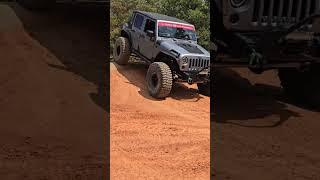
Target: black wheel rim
[(118, 50), (154, 80)]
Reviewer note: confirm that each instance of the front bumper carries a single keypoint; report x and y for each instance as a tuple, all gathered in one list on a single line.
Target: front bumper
[(192, 77)]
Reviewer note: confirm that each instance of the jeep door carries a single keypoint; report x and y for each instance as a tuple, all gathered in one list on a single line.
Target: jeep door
[(136, 30), (147, 43)]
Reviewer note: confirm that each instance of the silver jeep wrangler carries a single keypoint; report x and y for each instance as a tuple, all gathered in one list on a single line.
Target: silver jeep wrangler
[(170, 46)]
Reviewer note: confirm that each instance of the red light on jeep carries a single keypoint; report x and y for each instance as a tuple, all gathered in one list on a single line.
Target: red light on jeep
[(177, 25)]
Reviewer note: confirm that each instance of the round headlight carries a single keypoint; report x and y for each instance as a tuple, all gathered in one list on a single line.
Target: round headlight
[(237, 3), (185, 60)]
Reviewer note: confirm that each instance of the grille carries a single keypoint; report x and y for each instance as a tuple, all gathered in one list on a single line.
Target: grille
[(278, 12), (198, 63)]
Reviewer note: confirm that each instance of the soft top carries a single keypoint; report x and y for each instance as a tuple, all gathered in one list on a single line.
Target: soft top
[(158, 16)]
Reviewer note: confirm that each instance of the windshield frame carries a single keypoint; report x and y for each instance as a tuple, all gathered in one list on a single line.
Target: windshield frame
[(176, 25)]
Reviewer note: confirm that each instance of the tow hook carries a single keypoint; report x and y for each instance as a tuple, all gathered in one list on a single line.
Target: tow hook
[(190, 81)]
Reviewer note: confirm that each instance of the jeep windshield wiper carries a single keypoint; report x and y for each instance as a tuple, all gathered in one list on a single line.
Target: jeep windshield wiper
[(181, 38), (184, 37)]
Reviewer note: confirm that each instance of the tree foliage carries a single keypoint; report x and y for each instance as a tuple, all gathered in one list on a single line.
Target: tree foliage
[(193, 11)]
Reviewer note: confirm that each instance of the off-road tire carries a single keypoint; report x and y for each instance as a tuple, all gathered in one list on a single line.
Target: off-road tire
[(204, 88), (159, 80), (302, 86), (121, 51), (37, 4)]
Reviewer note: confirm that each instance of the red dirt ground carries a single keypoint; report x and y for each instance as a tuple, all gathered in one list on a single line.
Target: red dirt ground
[(151, 139)]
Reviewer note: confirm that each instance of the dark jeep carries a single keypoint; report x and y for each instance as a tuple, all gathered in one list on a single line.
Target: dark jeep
[(170, 46), (270, 34)]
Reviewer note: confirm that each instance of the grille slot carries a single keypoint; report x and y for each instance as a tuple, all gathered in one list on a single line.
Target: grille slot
[(282, 12), (198, 63)]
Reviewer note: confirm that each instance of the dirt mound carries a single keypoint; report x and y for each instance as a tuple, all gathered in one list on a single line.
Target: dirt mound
[(8, 18), (166, 139), (50, 127)]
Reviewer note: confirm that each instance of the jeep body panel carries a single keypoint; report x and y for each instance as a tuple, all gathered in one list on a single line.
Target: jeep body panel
[(185, 56), (196, 56)]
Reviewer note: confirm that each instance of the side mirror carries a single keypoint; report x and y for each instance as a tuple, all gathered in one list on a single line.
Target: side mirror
[(150, 33)]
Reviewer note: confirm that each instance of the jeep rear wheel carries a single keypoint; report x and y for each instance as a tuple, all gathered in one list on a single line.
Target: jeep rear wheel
[(302, 85), (121, 51), (37, 4), (204, 88), (159, 80)]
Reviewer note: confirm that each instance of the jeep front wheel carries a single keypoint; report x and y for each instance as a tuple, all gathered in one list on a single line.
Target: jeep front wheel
[(37, 4), (121, 51), (159, 80), (302, 85), (204, 88)]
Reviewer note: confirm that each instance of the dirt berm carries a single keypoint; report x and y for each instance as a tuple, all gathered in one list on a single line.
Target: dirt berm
[(51, 126)]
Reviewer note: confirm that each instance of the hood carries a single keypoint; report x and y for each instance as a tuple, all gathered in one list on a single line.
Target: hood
[(183, 47)]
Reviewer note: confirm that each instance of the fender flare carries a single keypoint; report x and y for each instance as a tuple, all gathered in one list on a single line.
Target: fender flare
[(125, 33)]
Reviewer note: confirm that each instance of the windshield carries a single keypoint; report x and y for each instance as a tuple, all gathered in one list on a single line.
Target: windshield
[(174, 30)]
